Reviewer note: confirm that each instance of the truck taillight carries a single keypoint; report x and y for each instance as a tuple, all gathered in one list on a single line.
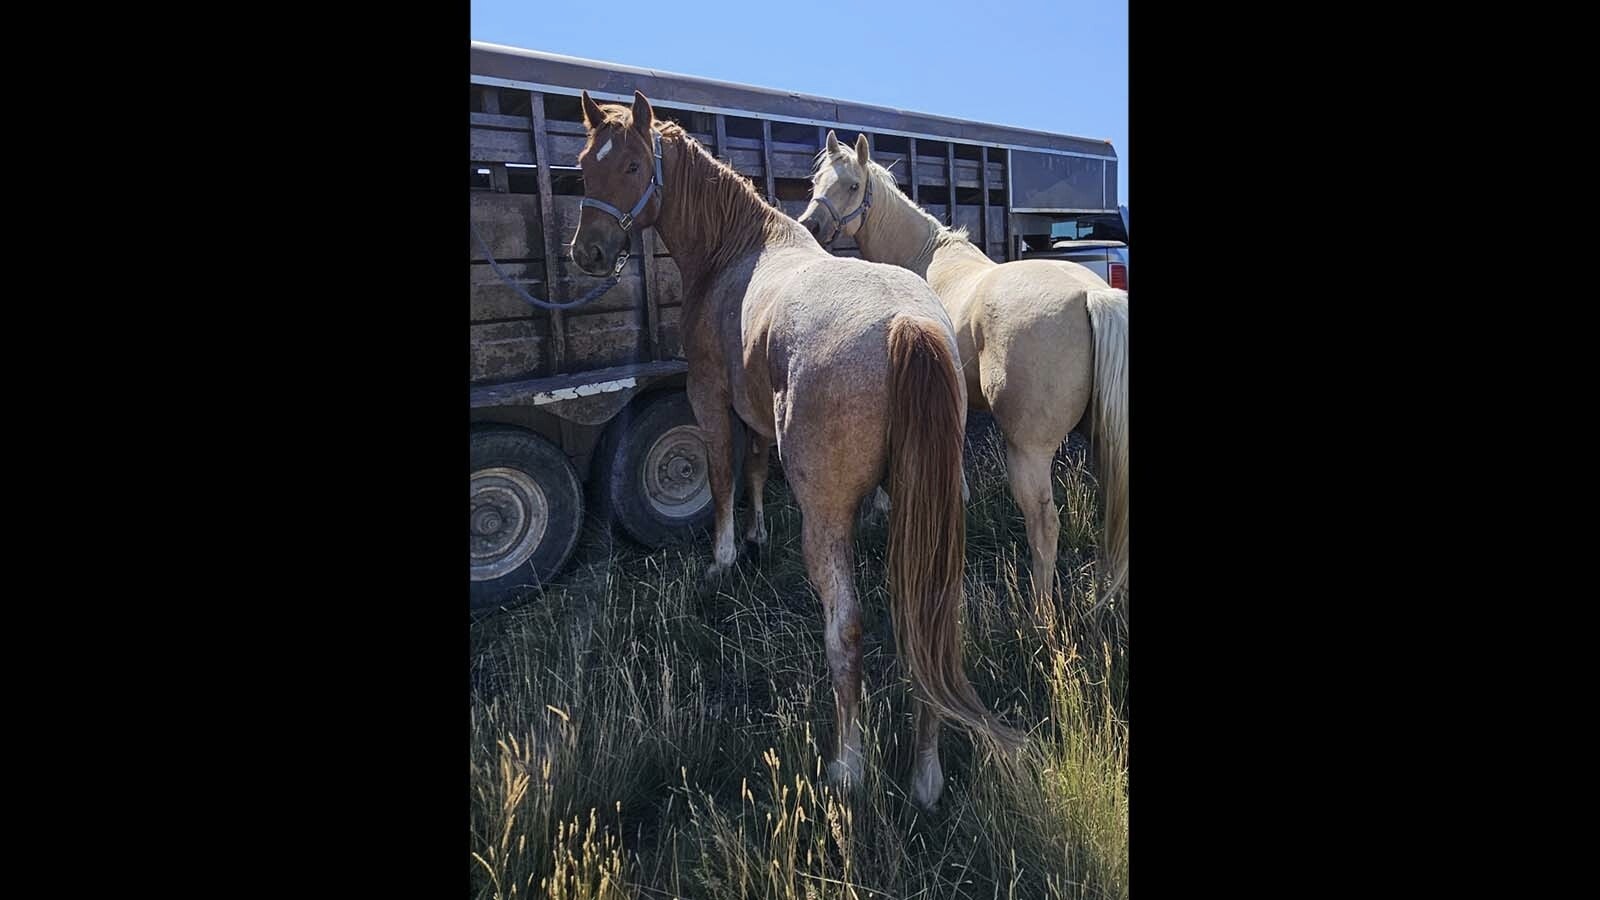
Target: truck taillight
[(1119, 276)]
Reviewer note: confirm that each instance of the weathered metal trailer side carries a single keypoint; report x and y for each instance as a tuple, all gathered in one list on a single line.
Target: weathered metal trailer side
[(593, 395)]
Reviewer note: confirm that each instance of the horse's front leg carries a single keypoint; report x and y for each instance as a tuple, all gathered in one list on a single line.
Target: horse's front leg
[(712, 413)]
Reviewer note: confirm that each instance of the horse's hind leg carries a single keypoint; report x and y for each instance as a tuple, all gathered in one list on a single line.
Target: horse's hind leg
[(880, 498), (826, 543), (1029, 469), (756, 472)]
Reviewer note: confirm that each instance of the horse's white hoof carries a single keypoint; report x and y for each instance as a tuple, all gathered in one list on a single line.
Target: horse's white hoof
[(712, 576), (842, 776), (757, 535), (927, 783)]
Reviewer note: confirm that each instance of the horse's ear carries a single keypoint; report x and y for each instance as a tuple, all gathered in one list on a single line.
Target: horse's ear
[(643, 115), (833, 143), (863, 152), (592, 116)]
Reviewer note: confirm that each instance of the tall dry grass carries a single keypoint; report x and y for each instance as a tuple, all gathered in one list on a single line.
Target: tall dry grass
[(633, 738)]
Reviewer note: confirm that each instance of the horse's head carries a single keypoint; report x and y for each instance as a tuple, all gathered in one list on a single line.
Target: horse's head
[(841, 192), (621, 166)]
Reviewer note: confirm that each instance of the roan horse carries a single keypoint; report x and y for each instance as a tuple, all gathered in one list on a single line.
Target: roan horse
[(848, 365), (1040, 341)]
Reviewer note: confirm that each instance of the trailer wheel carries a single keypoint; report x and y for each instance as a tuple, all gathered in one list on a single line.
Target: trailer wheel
[(527, 506), (655, 475)]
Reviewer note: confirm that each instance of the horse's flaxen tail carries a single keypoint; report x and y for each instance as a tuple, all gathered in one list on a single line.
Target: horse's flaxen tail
[(1108, 318), (927, 524)]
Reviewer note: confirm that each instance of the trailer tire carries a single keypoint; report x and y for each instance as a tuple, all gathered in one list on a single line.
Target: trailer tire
[(652, 471), (526, 511)]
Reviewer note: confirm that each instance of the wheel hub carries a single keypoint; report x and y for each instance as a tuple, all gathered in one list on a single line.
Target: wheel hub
[(675, 473), (486, 520), (508, 515)]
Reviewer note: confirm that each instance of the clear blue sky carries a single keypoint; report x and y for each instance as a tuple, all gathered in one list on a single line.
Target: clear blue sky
[(1056, 66)]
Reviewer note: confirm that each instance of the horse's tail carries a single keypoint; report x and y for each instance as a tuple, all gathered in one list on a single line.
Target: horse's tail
[(927, 523), (1108, 319)]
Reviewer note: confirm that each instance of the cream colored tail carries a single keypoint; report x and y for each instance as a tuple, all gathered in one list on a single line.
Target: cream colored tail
[(1108, 317)]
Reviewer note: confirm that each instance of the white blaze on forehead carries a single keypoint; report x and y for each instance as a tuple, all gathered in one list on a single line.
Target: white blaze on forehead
[(603, 151)]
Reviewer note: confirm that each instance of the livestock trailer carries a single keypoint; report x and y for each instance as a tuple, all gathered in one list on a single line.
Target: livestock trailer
[(584, 410)]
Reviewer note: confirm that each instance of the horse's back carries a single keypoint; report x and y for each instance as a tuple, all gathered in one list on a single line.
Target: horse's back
[(832, 314)]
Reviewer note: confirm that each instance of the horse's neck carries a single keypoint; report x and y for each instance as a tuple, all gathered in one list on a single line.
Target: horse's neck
[(900, 233), (895, 231)]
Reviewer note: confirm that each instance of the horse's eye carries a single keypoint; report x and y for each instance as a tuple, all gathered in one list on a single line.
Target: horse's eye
[(855, 187), (633, 167)]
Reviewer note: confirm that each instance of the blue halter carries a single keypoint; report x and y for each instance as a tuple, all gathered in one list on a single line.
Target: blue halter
[(625, 219), (841, 221)]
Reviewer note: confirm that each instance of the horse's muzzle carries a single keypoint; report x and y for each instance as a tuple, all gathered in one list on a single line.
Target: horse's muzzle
[(590, 258), (596, 248), (812, 219)]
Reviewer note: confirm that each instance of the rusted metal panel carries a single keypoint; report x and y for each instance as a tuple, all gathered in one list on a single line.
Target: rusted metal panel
[(493, 300), (500, 145), (503, 350), (509, 223), (564, 149), (931, 171), (792, 160), (745, 162), (970, 217), (888, 158), (604, 338), (509, 123)]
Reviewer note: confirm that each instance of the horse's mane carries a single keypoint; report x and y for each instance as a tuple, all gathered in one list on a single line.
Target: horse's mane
[(883, 180), (729, 219)]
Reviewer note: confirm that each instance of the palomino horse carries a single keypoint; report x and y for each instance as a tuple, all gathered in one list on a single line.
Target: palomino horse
[(1039, 340), (848, 365)]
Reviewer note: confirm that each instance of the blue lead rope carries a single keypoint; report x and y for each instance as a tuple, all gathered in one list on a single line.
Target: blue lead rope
[(601, 288)]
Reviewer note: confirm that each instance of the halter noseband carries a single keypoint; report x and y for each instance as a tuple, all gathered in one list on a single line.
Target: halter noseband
[(625, 219), (840, 221)]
